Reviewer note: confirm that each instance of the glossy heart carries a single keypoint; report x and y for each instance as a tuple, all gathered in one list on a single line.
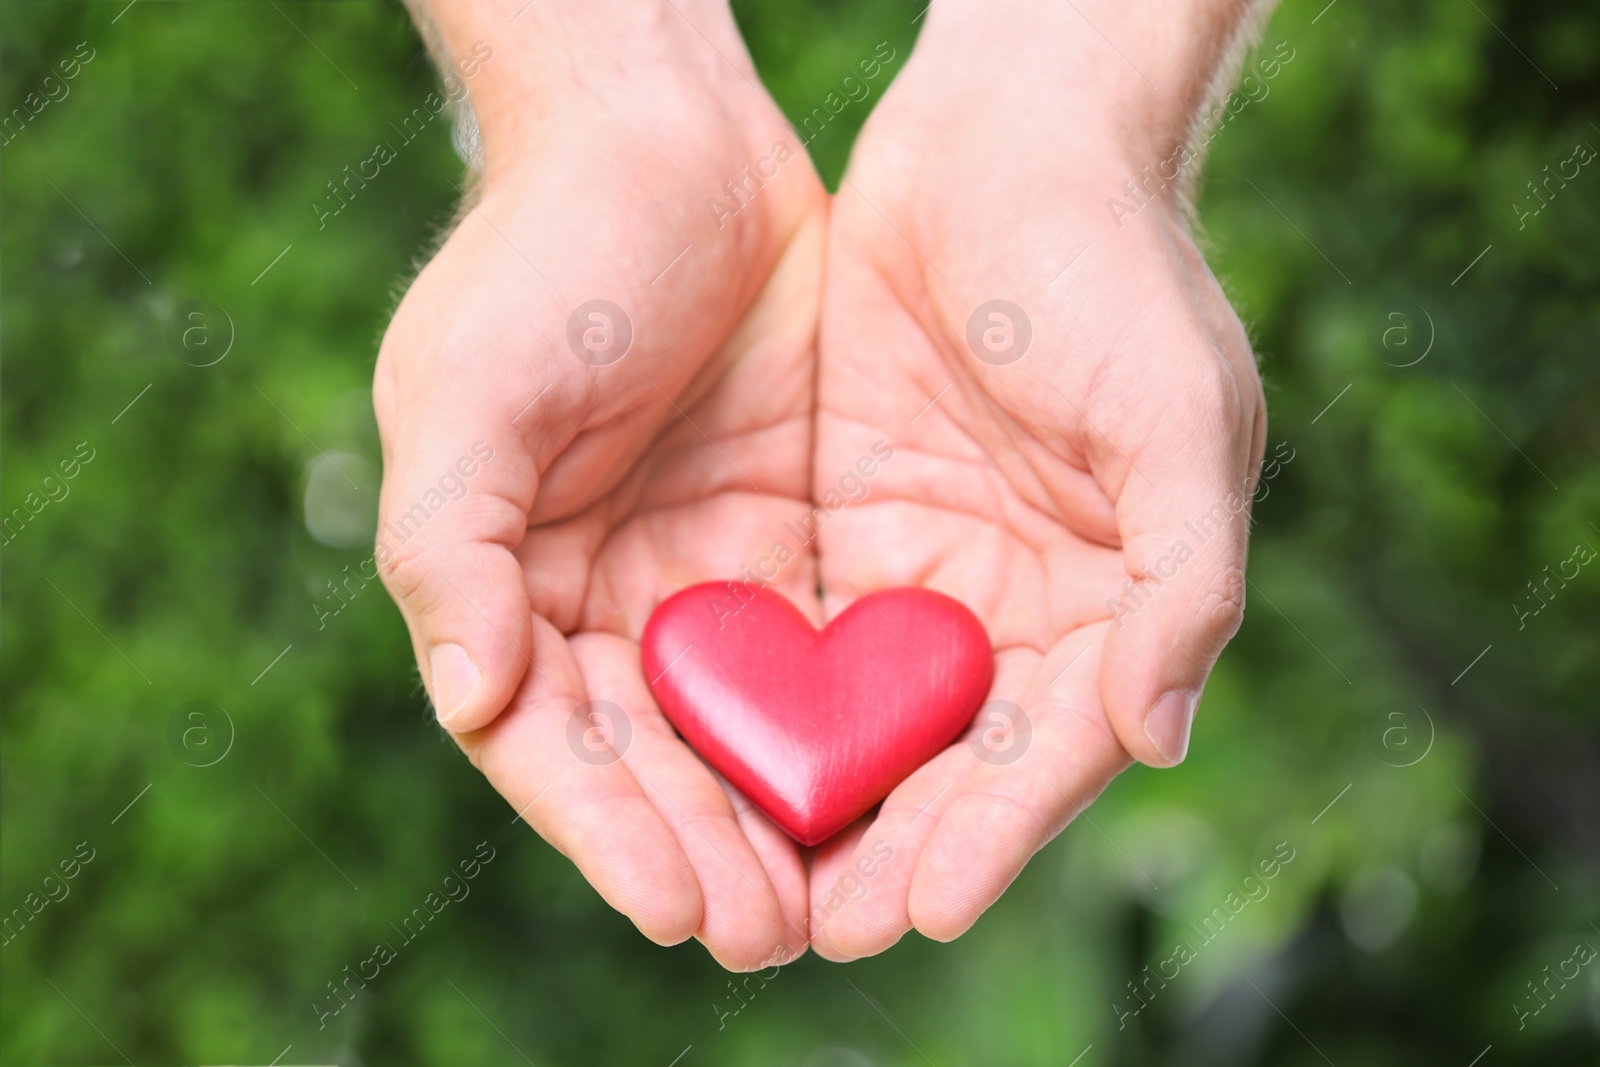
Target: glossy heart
[(816, 726)]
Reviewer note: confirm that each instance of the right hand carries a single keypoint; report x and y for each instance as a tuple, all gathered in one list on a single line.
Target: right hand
[(612, 484)]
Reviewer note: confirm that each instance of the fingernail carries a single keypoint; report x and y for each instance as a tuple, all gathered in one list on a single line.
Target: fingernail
[(1167, 724), (454, 678)]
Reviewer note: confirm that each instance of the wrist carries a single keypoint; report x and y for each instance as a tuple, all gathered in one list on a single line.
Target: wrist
[(1138, 74), (522, 69)]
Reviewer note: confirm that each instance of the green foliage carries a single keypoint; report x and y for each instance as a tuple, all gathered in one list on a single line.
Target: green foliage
[(1389, 553)]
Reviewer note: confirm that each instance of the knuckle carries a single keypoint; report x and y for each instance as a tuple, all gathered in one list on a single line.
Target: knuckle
[(405, 571), (1219, 609), (1215, 392), (997, 807), (1077, 719)]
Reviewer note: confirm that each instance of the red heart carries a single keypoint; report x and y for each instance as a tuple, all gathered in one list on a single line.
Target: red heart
[(815, 726)]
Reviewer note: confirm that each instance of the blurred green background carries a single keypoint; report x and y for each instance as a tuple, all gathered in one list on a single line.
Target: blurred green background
[(1430, 755)]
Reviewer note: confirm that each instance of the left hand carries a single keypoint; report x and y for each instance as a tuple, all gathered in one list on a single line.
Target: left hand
[(1111, 463)]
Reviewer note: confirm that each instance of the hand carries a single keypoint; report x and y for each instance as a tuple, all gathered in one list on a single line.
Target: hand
[(1086, 496), (610, 482)]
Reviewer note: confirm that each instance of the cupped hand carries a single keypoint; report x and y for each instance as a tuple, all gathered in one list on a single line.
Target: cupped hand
[(1076, 421), (554, 466)]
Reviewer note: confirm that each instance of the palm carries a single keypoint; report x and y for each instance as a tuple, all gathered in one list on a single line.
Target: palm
[(1020, 486), (701, 502), (616, 481), (1032, 490)]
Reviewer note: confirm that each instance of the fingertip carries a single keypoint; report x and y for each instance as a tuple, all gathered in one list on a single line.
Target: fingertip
[(750, 945), (469, 689), (825, 949), (938, 917), (1167, 724), (669, 918), (1157, 662), (631, 858), (861, 926), (643, 875), (658, 886), (665, 936), (1153, 730), (943, 928), (750, 958), (983, 841), (455, 681), (786, 953), (855, 942), (471, 628), (941, 904)]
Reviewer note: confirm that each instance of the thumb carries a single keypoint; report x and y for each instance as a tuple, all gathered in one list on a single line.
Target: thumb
[(1184, 517), (450, 516)]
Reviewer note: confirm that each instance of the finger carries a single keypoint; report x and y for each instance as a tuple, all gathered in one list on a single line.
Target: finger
[(785, 867), (742, 922), (828, 862), (1184, 515), (454, 505), (849, 923), (909, 821), (582, 798), (592, 573), (1016, 799)]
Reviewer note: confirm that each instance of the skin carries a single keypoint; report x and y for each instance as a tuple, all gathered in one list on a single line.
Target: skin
[(1034, 490), (766, 360), (621, 483)]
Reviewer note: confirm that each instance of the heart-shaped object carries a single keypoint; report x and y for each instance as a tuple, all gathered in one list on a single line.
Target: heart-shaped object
[(815, 726)]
